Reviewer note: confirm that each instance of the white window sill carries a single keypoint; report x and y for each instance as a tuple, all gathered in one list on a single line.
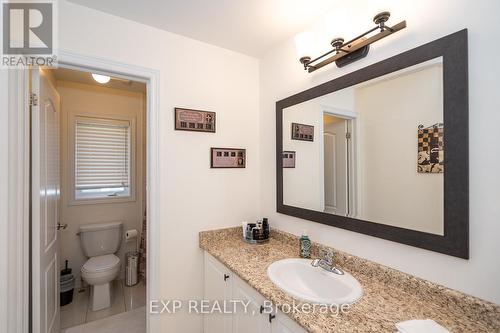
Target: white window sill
[(103, 200)]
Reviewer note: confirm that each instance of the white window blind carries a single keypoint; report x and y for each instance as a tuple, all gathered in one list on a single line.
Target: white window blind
[(102, 157)]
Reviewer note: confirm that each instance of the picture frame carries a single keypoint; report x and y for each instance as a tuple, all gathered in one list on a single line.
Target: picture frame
[(302, 132), (224, 158), (195, 120), (289, 159), (430, 155)]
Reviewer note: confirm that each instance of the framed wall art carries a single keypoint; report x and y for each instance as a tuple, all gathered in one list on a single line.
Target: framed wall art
[(227, 158), (194, 120), (302, 132), (431, 149), (288, 159)]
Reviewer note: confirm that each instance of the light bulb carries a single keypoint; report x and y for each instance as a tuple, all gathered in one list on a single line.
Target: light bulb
[(101, 78)]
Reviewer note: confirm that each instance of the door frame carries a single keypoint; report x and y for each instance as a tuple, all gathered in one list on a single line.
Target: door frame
[(352, 120), (19, 317)]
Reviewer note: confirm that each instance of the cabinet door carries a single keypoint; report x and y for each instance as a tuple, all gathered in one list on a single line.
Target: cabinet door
[(217, 287), (251, 321), (283, 324)]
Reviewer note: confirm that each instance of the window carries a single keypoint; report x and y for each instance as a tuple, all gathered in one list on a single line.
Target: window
[(102, 158)]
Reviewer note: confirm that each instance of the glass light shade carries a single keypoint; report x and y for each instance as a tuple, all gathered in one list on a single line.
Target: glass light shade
[(304, 45), (101, 78)]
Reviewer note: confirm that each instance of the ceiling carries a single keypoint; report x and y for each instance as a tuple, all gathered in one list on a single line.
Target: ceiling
[(64, 74), (248, 26)]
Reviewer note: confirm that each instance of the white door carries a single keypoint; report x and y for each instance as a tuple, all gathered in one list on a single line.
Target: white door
[(255, 320), (283, 324), (45, 203), (336, 161), (330, 187), (218, 285)]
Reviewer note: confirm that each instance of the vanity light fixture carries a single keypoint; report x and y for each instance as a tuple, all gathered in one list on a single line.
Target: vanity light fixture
[(345, 53), (101, 78)]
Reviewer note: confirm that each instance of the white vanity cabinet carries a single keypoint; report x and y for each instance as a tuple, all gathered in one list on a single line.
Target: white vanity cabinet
[(254, 320), (283, 324), (217, 286), (221, 284)]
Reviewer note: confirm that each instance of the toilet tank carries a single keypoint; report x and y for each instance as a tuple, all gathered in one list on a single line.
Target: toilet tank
[(101, 238)]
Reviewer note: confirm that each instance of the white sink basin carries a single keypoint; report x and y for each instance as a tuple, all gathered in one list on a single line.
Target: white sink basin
[(299, 279)]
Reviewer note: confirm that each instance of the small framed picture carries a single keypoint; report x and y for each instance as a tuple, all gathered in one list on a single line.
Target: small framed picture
[(227, 158), (302, 132), (288, 159), (194, 120)]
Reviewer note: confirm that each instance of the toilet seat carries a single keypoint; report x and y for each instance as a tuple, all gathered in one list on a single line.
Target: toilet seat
[(101, 264)]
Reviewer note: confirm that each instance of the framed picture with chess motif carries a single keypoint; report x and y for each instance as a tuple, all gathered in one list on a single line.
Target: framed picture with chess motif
[(302, 132), (431, 149), (194, 120), (227, 158)]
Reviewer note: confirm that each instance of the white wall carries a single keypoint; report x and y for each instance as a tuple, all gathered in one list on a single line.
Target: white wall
[(303, 186), (83, 99), (391, 190), (282, 75), (193, 197)]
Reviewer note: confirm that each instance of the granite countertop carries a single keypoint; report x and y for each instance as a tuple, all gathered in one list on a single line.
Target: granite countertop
[(389, 296)]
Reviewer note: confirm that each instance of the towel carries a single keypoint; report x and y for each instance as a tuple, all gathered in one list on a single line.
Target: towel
[(420, 326)]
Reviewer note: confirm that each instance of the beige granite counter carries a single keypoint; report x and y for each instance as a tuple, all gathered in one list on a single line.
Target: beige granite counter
[(389, 296)]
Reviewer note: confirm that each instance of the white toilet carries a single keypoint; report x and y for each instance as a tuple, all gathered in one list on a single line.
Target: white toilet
[(99, 243)]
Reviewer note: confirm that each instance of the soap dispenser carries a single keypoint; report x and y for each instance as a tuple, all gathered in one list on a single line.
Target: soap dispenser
[(305, 245)]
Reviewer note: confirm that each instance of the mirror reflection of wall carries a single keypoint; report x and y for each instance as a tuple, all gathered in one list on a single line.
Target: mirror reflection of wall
[(363, 160)]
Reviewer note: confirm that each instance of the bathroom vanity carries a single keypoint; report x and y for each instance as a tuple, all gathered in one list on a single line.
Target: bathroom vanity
[(223, 285), (237, 270)]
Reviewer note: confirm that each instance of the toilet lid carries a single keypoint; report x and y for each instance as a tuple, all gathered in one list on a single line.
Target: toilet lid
[(101, 263)]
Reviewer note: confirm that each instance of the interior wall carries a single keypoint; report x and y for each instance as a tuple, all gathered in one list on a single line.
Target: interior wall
[(78, 99), (304, 184), (391, 190), (282, 75), (193, 197)]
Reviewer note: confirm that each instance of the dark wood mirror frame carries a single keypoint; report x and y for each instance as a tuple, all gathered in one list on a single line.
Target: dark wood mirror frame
[(453, 49)]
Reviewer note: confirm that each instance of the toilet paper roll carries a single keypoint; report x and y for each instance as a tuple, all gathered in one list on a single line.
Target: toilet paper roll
[(131, 234)]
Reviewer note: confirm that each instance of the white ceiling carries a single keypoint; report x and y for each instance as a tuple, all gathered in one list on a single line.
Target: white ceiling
[(247, 26)]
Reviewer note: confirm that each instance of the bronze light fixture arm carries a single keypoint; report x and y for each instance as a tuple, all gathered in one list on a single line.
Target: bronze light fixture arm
[(342, 49)]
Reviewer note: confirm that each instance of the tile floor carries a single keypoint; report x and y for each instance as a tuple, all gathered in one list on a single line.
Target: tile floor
[(133, 321), (125, 299)]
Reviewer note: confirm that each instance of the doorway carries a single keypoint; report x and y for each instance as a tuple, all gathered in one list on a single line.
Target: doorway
[(47, 260), (338, 164)]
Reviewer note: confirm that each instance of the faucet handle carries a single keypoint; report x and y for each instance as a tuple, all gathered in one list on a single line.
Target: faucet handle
[(327, 255), (315, 262)]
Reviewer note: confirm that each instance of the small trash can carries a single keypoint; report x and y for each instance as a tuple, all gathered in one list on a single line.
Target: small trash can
[(67, 286), (132, 259)]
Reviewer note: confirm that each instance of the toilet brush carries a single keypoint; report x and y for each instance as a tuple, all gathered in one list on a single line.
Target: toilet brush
[(66, 270)]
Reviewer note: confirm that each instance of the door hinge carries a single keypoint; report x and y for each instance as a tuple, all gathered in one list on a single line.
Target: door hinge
[(33, 99), (348, 135)]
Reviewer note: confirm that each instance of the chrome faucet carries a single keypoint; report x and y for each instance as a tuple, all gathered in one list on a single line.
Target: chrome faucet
[(326, 261)]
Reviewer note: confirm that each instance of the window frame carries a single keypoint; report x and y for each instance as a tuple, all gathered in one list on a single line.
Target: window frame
[(72, 120)]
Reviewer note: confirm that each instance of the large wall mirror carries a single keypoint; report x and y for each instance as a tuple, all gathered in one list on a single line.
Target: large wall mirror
[(383, 150)]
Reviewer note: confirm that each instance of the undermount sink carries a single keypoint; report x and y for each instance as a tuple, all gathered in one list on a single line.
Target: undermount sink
[(299, 279)]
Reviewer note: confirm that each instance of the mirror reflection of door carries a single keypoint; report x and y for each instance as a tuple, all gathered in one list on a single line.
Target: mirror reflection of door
[(362, 177), (336, 164)]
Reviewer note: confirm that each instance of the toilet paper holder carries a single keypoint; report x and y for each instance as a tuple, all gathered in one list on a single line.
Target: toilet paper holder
[(132, 234)]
